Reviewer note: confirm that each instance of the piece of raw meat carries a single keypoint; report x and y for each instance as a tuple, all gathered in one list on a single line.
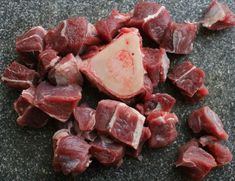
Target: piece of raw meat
[(156, 63), (108, 28), (118, 69), (179, 38), (148, 85), (31, 41), (66, 71), (71, 155), (162, 127), (120, 122), (58, 135), (204, 119), (187, 78), (218, 16), (85, 118), (107, 152), (57, 101), (19, 76)]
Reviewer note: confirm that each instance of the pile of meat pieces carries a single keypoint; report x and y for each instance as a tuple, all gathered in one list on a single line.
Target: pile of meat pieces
[(52, 65)]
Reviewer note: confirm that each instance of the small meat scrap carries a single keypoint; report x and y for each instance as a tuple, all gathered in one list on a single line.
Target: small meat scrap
[(108, 28), (218, 16), (71, 154), (179, 38), (156, 63), (148, 85), (162, 127), (204, 119), (19, 76), (66, 71), (57, 101), (31, 41), (120, 121), (107, 151)]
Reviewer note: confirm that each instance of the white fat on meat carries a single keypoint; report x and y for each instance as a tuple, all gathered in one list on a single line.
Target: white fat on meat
[(165, 62), (152, 16), (186, 73)]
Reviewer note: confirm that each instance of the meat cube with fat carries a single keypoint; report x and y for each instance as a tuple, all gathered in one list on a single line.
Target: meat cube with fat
[(218, 16), (107, 151), (57, 101), (19, 76), (162, 127), (117, 70), (206, 120)]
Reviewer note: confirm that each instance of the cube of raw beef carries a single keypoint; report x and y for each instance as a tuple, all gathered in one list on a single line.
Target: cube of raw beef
[(195, 161), (47, 60), (108, 28), (206, 120), (221, 153), (58, 135), (107, 152), (218, 16), (71, 155), (162, 127), (70, 35), (85, 118), (156, 63), (57, 101), (31, 41), (120, 121), (179, 38), (67, 71), (187, 77), (118, 69), (19, 77)]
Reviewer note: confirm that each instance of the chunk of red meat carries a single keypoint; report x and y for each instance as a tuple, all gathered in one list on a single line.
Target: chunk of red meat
[(67, 71), (31, 41), (187, 77), (58, 135), (57, 101), (179, 38), (19, 77), (184, 147), (108, 28), (156, 64), (148, 86), (71, 155), (107, 152), (85, 117), (162, 127), (204, 119), (218, 16)]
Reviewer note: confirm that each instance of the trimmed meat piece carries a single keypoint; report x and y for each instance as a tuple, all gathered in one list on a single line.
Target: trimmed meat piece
[(67, 71), (31, 41), (107, 152), (162, 127), (187, 78), (204, 119), (156, 63), (218, 16), (71, 155), (57, 101), (179, 38), (58, 135), (19, 77), (108, 28), (118, 69)]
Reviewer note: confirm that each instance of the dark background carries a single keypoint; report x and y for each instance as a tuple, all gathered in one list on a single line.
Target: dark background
[(25, 154)]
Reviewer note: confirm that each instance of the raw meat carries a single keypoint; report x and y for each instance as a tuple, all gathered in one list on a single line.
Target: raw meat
[(179, 38), (218, 16), (156, 63), (107, 152), (71, 155), (92, 51), (31, 41), (108, 28), (204, 119), (148, 86), (57, 101), (67, 71), (118, 69), (187, 77), (28, 59), (19, 77), (162, 127)]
